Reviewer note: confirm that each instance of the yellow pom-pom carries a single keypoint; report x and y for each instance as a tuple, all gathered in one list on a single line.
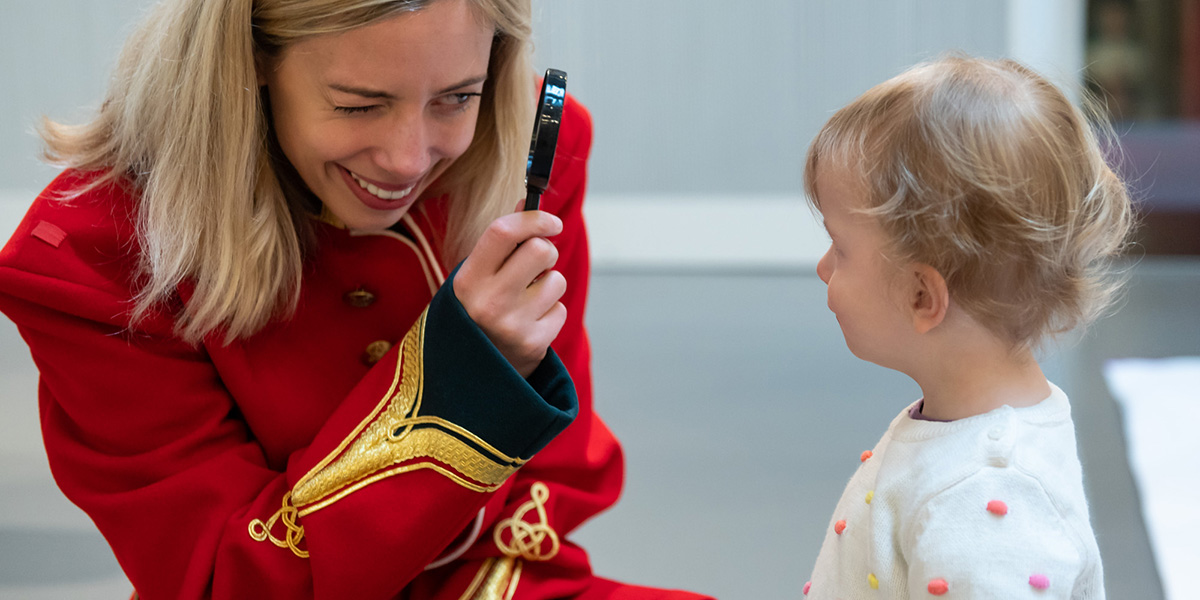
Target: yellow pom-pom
[(874, 581), (870, 496)]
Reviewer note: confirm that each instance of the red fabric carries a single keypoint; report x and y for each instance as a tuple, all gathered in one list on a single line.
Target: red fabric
[(173, 450), (49, 233)]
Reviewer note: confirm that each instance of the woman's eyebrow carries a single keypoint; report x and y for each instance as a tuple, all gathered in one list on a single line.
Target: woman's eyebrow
[(364, 92), (464, 83), (382, 95)]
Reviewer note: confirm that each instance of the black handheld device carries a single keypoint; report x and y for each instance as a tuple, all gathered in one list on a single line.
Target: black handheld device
[(545, 136)]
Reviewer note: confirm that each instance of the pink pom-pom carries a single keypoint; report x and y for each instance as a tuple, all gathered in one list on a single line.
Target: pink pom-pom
[(807, 586), (997, 507), (1039, 581), (937, 587)]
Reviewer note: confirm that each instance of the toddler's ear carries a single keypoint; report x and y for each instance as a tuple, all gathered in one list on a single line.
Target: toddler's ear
[(929, 298)]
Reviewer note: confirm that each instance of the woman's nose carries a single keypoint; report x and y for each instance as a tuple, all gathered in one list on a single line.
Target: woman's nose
[(404, 147)]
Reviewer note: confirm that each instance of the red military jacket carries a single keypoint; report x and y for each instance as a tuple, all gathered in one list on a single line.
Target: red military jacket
[(373, 445)]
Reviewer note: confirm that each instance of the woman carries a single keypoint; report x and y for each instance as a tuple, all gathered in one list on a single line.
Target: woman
[(260, 375)]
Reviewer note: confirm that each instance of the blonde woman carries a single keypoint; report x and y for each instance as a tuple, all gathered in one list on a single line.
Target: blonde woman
[(262, 373)]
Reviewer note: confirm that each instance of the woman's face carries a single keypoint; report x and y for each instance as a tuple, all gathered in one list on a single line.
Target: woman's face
[(370, 117)]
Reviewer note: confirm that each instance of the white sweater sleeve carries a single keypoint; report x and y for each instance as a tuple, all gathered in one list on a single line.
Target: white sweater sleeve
[(996, 534)]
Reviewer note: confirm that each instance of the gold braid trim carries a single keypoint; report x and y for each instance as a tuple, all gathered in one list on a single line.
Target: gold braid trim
[(393, 439), (526, 539), (496, 580), (292, 537), (435, 444), (396, 433)]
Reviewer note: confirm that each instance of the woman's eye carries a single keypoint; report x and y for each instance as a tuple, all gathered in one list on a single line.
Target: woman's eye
[(354, 109), (461, 99)]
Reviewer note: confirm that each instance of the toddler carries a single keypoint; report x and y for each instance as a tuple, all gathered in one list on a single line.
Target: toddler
[(972, 215)]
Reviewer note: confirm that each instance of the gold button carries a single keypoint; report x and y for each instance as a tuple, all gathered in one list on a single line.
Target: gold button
[(375, 351), (359, 298)]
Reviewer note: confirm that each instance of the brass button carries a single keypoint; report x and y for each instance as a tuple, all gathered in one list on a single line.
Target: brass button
[(359, 298), (375, 351)]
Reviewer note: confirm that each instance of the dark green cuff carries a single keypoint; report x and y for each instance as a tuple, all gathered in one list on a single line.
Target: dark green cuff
[(469, 383)]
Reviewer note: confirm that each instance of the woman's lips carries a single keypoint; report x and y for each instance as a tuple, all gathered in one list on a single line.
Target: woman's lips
[(374, 195)]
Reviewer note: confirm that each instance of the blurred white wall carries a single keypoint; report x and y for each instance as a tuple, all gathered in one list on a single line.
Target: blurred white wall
[(703, 108)]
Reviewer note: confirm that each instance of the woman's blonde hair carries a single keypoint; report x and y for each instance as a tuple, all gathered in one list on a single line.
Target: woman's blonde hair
[(987, 172), (185, 122)]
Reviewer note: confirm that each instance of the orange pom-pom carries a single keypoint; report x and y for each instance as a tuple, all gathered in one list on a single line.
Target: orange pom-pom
[(865, 455), (839, 527), (937, 587)]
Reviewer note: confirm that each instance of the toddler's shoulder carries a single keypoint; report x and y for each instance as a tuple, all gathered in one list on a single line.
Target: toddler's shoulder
[(996, 533)]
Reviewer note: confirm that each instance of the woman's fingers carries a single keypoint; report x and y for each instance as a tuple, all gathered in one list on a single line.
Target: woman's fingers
[(529, 262), (509, 288), (527, 312), (508, 234), (544, 292)]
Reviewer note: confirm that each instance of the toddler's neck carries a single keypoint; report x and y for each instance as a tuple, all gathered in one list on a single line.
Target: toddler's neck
[(980, 378)]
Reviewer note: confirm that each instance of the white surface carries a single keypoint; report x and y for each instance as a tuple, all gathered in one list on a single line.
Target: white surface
[(1161, 404)]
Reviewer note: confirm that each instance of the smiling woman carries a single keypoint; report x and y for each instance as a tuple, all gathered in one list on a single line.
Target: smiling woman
[(371, 117), (293, 340)]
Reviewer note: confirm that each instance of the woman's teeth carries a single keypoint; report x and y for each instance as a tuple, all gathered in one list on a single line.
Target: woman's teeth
[(381, 194)]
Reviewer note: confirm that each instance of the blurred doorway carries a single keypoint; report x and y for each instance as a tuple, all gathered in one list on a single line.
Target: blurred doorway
[(1143, 63)]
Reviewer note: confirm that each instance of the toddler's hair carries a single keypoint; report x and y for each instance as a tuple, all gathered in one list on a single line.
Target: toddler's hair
[(987, 172)]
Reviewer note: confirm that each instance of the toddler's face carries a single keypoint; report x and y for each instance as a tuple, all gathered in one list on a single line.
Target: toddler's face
[(861, 281)]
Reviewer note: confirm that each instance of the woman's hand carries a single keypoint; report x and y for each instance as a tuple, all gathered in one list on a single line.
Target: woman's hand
[(509, 288)]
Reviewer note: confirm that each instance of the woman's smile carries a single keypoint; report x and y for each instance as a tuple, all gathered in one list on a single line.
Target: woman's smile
[(378, 195)]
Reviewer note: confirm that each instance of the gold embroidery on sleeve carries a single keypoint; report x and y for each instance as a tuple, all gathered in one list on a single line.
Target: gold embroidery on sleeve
[(393, 439), (295, 533), (527, 539)]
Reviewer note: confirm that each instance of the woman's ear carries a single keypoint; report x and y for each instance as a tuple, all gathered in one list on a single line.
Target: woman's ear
[(260, 69), (929, 297)]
